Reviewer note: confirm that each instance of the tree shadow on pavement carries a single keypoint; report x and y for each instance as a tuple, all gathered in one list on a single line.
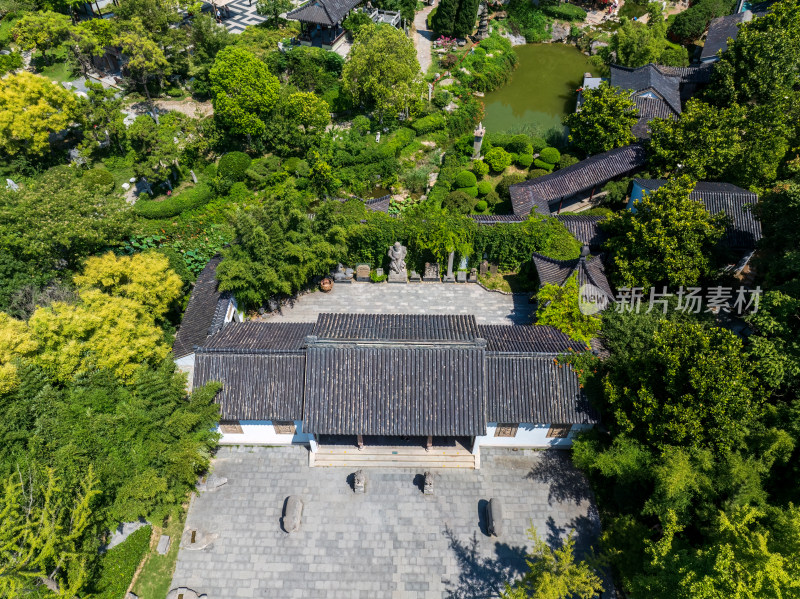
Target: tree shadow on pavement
[(567, 483)]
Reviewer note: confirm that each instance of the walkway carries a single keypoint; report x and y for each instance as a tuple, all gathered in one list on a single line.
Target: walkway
[(243, 13), (423, 38), (417, 298), (392, 542)]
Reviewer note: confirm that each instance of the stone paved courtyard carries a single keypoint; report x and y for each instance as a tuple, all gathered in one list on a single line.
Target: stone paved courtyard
[(392, 542), (419, 298)]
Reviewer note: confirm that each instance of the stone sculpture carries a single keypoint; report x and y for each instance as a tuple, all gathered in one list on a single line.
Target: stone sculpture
[(427, 488), (359, 482), (397, 264)]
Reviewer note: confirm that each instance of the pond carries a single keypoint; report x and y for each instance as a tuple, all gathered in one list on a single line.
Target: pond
[(541, 91)]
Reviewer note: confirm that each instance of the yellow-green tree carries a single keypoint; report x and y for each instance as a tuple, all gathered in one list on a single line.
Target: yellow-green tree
[(31, 108), (145, 278), (41, 30), (309, 111), (16, 341), (100, 331), (559, 307), (41, 527), (383, 71)]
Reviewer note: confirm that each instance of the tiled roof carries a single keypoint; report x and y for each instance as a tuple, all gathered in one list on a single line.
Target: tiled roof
[(492, 219), (590, 270), (379, 204), (255, 386), (205, 313), (395, 390), (582, 176), (322, 12), (525, 339), (720, 30), (744, 230), (395, 327), (534, 389), (584, 228), (260, 336), (697, 73), (649, 78)]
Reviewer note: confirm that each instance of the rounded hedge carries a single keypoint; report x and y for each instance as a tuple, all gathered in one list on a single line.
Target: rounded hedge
[(233, 165), (550, 155), (458, 201), (506, 182), (480, 168), (98, 178), (493, 198), (520, 144), (539, 163), (484, 187), (524, 160), (537, 172), (567, 160), (498, 159), (465, 179), (470, 191), (481, 206), (538, 144)]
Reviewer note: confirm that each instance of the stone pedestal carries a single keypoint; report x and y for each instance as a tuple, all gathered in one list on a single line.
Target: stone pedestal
[(398, 277), (359, 482), (449, 277)]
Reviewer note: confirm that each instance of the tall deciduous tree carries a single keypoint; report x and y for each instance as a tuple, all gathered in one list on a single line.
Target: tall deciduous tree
[(383, 71), (466, 16), (604, 121), (559, 307), (667, 240), (244, 91), (31, 108), (308, 111), (158, 14), (146, 59), (554, 573), (273, 8), (42, 30)]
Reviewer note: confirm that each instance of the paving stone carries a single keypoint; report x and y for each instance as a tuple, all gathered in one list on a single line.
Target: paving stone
[(393, 541)]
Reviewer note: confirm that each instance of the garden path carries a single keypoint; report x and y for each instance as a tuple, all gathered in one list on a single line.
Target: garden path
[(423, 37)]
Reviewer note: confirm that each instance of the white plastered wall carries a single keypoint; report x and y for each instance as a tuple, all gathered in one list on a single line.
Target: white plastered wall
[(262, 432), (528, 435)]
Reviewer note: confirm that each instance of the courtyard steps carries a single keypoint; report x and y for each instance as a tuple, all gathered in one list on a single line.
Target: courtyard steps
[(389, 457)]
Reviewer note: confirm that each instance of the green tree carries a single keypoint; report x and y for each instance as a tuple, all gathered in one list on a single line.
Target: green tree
[(40, 531), (322, 177), (466, 16), (158, 146), (692, 385), (554, 573), (559, 307), (57, 218), (244, 91), (31, 108), (89, 39), (638, 44), (16, 342), (42, 31), (443, 20), (382, 71), (207, 38), (309, 111), (158, 14), (668, 239), (102, 118), (604, 121), (273, 8), (146, 59)]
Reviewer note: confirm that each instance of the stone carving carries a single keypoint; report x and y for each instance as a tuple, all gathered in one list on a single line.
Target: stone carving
[(473, 276), (431, 271), (427, 489), (494, 518), (397, 265), (359, 482), (163, 545), (362, 272), (343, 275), (483, 26), (461, 276), (414, 277), (492, 268), (484, 268), (292, 512), (449, 278), (480, 131)]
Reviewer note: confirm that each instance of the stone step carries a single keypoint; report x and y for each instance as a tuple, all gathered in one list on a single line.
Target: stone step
[(392, 461)]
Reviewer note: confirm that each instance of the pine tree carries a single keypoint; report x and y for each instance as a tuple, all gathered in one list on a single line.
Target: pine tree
[(444, 19), (465, 18)]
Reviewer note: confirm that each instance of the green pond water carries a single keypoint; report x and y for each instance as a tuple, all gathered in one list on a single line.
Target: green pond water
[(541, 91)]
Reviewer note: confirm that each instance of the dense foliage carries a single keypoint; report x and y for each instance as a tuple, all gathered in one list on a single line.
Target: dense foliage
[(604, 121)]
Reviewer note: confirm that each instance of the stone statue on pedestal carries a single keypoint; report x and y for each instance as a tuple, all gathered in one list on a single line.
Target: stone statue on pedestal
[(397, 264)]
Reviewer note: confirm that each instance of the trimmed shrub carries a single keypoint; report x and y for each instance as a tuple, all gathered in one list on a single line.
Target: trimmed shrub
[(524, 160), (98, 178), (173, 205), (550, 156), (427, 124), (537, 172), (538, 144), (481, 206), (118, 565), (297, 167), (10, 62), (465, 179), (361, 124), (439, 193), (498, 159), (210, 171), (506, 182), (470, 191), (492, 198), (233, 166), (484, 187), (239, 193), (541, 164), (480, 168), (567, 160), (441, 98), (520, 144), (460, 202)]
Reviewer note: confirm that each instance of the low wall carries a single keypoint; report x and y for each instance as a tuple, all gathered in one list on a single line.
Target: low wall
[(262, 432), (528, 435)]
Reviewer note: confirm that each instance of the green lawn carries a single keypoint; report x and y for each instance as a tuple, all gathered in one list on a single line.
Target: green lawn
[(155, 578)]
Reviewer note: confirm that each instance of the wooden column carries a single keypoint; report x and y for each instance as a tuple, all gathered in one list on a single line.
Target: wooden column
[(360, 442), (428, 443)]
